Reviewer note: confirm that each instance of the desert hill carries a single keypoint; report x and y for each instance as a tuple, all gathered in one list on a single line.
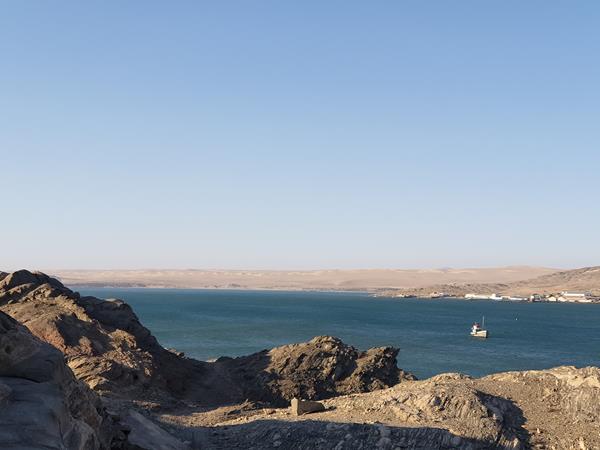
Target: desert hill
[(584, 279), (365, 279)]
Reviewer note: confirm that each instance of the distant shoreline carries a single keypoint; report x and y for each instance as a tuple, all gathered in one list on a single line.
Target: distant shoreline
[(514, 282), (362, 280), (372, 294), (246, 289)]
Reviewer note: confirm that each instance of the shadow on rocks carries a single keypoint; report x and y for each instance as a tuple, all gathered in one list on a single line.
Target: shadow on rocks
[(322, 368), (313, 434)]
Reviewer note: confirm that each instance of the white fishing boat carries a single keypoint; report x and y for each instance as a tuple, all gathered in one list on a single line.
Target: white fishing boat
[(479, 330)]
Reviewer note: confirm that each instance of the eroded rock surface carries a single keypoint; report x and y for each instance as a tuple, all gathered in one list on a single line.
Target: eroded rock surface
[(104, 342), (561, 405), (554, 409), (42, 405), (321, 368), (145, 434), (443, 413)]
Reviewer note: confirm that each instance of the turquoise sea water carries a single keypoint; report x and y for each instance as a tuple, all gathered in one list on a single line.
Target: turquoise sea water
[(433, 335)]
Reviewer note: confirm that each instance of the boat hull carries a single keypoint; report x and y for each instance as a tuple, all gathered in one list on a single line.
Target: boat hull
[(480, 334)]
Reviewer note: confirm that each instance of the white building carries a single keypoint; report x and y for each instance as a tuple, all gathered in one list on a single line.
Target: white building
[(581, 297), (483, 296)]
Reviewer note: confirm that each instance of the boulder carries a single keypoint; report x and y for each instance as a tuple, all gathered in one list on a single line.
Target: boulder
[(300, 407), (146, 435)]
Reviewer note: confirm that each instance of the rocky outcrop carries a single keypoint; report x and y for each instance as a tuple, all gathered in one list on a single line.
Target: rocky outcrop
[(575, 392), (561, 404), (42, 405), (104, 343), (321, 368)]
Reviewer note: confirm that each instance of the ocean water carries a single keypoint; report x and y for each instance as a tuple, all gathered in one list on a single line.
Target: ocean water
[(433, 335)]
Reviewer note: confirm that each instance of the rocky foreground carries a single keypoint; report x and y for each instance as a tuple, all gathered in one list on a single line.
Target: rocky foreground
[(83, 373)]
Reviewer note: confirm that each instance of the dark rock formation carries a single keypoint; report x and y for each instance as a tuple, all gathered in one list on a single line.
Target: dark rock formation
[(321, 368), (42, 405)]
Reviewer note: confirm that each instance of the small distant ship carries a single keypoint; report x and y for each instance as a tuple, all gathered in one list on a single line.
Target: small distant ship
[(479, 330)]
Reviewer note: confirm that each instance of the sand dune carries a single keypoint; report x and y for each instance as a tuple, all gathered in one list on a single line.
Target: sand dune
[(363, 279)]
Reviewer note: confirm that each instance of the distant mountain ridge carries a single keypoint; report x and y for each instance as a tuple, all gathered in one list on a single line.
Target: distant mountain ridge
[(583, 279)]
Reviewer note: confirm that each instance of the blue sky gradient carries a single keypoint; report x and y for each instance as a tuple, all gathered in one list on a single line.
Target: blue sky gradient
[(296, 135)]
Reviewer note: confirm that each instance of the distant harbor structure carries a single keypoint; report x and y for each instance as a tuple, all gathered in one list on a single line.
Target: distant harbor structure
[(480, 296), (497, 297), (563, 297), (591, 296), (576, 297)]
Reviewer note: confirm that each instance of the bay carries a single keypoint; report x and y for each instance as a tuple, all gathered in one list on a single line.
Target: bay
[(433, 335)]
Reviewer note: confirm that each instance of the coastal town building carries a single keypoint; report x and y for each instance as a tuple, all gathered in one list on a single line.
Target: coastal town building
[(483, 296), (494, 297), (576, 297), (564, 297)]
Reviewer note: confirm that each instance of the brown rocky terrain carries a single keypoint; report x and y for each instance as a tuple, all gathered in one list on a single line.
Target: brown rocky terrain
[(42, 405), (103, 341), (554, 409), (585, 279), (142, 396)]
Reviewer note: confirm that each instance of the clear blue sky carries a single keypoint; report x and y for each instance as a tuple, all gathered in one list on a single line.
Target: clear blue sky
[(312, 134)]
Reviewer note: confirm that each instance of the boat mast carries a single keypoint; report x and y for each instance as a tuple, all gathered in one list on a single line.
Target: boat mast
[(483, 322)]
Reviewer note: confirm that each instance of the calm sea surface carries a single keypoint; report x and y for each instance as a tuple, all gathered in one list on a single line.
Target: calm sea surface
[(433, 335)]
